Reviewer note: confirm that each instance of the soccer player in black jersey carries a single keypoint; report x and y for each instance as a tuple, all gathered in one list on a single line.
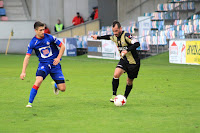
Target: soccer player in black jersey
[(129, 61)]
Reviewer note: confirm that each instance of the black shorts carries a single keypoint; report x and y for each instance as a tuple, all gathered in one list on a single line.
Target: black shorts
[(131, 69)]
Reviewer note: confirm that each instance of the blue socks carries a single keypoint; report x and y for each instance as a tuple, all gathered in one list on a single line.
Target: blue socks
[(33, 93), (56, 85)]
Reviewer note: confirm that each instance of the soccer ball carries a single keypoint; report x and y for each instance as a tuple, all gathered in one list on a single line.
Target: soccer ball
[(119, 100)]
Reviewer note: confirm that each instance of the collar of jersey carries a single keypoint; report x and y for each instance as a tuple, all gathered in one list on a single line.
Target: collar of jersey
[(39, 38)]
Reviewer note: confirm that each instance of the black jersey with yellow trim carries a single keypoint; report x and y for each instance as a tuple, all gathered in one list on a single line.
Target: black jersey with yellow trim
[(130, 47)]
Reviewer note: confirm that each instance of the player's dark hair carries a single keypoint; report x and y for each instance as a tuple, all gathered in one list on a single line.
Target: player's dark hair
[(116, 23), (38, 24)]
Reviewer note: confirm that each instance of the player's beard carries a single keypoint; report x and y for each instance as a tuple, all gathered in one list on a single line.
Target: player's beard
[(117, 35)]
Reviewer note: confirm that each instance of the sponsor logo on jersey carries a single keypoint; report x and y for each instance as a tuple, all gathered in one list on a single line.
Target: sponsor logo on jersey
[(48, 43), (122, 48), (45, 52)]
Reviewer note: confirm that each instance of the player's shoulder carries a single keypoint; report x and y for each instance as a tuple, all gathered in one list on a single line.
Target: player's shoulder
[(33, 41), (49, 36), (128, 35)]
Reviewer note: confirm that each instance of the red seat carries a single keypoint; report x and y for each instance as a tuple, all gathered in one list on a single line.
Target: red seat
[(1, 4), (4, 18)]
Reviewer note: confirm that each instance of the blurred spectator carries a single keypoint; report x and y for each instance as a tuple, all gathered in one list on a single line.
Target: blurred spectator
[(96, 15), (77, 19), (93, 13), (59, 26), (46, 29)]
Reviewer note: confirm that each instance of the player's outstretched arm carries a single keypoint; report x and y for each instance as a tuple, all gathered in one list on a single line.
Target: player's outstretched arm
[(57, 60), (106, 37), (25, 64)]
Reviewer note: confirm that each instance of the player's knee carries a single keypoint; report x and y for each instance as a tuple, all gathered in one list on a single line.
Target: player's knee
[(116, 76), (129, 83), (62, 88), (39, 80)]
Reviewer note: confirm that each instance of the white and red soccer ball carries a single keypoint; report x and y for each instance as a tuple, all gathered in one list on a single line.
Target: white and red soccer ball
[(119, 100)]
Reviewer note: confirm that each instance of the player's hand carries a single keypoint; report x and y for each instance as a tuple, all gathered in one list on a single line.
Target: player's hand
[(123, 53), (56, 61), (22, 76), (94, 37)]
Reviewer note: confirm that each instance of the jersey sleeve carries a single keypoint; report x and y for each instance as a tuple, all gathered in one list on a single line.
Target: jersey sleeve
[(106, 37), (29, 49), (55, 40)]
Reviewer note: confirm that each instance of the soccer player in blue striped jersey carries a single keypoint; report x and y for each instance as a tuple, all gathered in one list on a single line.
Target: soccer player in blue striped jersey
[(46, 49)]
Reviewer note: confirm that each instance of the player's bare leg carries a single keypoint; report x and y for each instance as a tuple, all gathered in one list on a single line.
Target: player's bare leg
[(129, 86), (57, 87), (38, 81), (34, 90), (115, 83), (118, 72), (61, 87)]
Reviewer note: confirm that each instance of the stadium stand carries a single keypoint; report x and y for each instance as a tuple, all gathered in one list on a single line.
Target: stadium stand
[(169, 22), (2, 12), (3, 16), (174, 19), (15, 10), (1, 4)]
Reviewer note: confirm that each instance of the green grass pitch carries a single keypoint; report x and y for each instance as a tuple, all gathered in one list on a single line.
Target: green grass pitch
[(165, 98)]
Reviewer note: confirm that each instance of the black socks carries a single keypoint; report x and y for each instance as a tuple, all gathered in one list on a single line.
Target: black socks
[(115, 84), (128, 90)]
